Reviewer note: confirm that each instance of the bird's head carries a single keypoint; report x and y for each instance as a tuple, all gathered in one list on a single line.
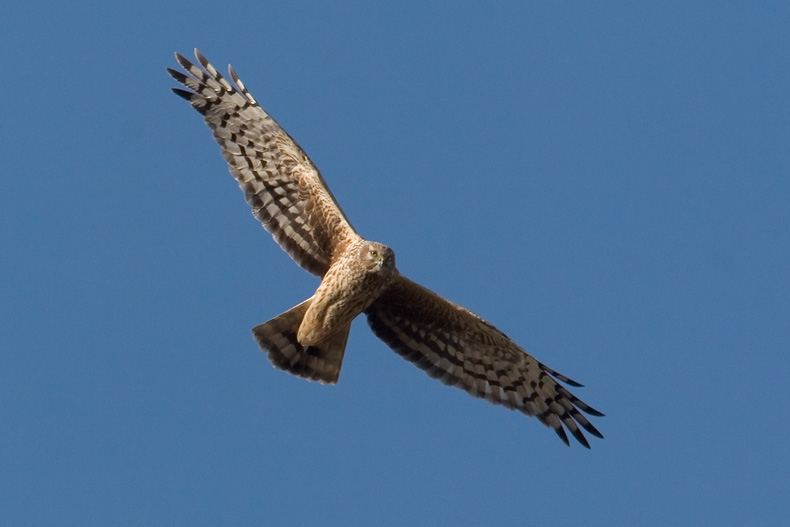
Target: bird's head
[(378, 256)]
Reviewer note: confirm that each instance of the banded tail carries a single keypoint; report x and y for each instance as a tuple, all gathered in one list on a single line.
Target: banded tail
[(321, 362)]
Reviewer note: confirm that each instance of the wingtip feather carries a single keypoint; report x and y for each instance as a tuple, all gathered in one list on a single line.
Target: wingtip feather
[(200, 58), (183, 93), (183, 61), (561, 432)]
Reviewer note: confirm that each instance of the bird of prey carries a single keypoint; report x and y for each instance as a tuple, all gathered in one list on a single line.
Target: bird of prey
[(293, 202)]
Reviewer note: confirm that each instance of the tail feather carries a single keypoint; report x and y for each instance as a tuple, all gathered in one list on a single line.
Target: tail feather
[(321, 362)]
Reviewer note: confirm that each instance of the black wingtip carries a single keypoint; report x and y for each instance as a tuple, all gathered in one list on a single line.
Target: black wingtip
[(181, 59), (183, 93), (557, 375), (580, 438), (201, 59), (177, 75), (592, 411), (561, 432), (592, 430)]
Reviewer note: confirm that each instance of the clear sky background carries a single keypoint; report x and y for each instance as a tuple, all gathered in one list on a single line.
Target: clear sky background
[(606, 182)]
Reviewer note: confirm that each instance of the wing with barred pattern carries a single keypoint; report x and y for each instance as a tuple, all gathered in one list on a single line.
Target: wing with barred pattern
[(283, 186), (460, 349)]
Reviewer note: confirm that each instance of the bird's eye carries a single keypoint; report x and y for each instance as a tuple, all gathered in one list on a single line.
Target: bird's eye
[(374, 253)]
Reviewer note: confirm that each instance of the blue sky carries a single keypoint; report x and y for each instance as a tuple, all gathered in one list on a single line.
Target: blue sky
[(606, 183)]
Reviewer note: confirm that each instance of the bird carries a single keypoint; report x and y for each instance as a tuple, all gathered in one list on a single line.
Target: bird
[(289, 196)]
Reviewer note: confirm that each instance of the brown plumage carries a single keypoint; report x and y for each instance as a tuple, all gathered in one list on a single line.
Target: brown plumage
[(292, 201)]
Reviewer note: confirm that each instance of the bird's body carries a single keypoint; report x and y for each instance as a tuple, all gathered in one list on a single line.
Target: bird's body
[(347, 289), (292, 201)]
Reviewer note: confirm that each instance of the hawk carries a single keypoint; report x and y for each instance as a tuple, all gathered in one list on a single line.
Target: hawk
[(292, 201)]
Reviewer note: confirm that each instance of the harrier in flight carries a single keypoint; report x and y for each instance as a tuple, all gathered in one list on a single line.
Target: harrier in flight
[(292, 201)]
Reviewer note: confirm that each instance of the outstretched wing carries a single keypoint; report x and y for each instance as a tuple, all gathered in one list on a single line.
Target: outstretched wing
[(284, 188), (461, 349)]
